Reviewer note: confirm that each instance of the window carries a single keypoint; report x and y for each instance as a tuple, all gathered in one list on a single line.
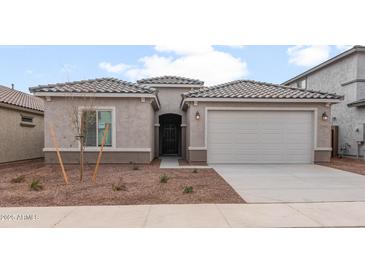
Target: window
[(27, 119), (94, 124), (302, 83)]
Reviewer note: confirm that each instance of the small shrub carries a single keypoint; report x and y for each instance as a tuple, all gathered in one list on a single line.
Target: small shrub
[(36, 185), (119, 187), (164, 178), (188, 189), (135, 167), (195, 170), (18, 179)]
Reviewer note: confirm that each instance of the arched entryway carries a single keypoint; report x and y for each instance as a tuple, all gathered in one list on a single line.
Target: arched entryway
[(170, 134)]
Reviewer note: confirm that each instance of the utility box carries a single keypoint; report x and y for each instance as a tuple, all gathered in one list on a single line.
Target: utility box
[(359, 133)]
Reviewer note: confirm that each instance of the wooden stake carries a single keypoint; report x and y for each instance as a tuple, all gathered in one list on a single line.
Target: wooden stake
[(106, 130), (56, 145)]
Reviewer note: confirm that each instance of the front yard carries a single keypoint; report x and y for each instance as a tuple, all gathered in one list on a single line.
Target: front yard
[(116, 185)]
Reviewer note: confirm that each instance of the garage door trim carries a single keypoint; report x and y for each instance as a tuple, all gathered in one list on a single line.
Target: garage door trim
[(314, 110)]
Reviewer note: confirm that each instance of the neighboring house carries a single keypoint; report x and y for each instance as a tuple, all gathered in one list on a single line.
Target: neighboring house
[(344, 75), (237, 122), (21, 125)]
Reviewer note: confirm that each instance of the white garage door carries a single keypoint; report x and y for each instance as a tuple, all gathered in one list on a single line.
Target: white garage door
[(241, 136)]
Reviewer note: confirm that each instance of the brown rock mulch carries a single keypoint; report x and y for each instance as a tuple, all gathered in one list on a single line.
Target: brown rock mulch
[(347, 164), (135, 187)]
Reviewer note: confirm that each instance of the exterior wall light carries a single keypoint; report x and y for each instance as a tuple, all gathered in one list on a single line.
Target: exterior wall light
[(324, 116), (197, 115)]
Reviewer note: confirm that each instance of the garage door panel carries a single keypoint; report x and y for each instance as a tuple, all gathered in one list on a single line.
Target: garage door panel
[(260, 136)]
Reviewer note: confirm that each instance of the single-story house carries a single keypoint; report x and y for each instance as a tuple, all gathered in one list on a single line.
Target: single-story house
[(21, 125), (237, 122)]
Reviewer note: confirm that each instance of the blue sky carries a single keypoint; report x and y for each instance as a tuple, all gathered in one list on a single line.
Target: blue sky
[(27, 66)]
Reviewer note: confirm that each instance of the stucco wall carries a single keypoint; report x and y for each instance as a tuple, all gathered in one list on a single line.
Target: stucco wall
[(170, 99), (196, 132), (133, 125), (20, 142), (330, 79)]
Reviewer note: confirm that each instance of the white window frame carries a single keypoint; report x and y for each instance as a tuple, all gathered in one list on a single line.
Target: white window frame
[(81, 109)]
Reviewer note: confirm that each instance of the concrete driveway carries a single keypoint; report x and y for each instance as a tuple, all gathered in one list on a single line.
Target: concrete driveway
[(293, 183)]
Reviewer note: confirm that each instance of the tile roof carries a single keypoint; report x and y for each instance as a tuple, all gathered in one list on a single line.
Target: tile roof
[(246, 89), (99, 85), (20, 99), (170, 80)]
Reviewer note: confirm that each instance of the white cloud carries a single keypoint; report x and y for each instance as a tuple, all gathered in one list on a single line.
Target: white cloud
[(308, 55), (118, 68), (201, 62)]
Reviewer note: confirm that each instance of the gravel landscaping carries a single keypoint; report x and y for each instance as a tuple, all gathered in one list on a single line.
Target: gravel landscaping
[(117, 184), (347, 164)]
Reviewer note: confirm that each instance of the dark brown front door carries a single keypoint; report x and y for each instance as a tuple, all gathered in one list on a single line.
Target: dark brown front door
[(169, 139)]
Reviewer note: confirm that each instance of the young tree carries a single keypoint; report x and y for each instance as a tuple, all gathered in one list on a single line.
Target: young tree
[(83, 117)]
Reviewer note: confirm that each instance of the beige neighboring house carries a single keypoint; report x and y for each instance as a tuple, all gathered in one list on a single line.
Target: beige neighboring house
[(21, 129), (237, 122), (344, 75)]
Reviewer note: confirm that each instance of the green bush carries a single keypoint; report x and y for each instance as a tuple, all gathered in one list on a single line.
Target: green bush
[(195, 170), (36, 185), (188, 189), (164, 178), (18, 179), (135, 167)]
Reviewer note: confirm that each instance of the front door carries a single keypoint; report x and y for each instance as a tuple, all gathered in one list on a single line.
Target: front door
[(169, 139)]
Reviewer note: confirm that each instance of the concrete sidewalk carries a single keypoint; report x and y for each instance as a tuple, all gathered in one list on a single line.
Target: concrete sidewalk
[(339, 214)]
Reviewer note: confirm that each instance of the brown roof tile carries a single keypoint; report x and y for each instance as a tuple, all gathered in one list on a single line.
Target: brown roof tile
[(20, 99), (170, 80), (247, 89), (99, 85)]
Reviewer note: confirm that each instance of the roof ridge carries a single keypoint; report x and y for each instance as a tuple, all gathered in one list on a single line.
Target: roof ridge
[(171, 77)]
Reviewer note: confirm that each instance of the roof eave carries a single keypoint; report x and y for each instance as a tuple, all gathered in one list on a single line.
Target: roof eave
[(359, 103), (325, 63), (100, 95), (258, 100), (20, 108), (173, 85)]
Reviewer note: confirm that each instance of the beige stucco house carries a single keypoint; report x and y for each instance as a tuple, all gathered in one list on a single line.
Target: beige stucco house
[(344, 75), (21, 125), (237, 122)]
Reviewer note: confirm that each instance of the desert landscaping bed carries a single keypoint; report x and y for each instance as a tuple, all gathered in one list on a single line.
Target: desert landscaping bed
[(347, 164), (117, 184)]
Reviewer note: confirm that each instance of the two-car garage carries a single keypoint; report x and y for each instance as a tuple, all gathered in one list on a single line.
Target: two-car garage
[(260, 136)]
